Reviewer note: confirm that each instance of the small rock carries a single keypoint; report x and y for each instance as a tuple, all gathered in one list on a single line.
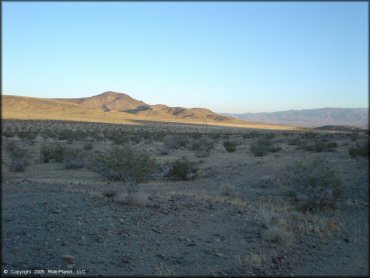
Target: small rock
[(126, 259), (156, 231), (68, 258), (159, 256)]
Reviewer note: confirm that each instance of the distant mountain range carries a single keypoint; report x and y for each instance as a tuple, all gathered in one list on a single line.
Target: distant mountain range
[(353, 117)]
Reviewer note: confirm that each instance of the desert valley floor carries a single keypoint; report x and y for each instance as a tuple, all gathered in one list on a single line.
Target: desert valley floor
[(220, 201)]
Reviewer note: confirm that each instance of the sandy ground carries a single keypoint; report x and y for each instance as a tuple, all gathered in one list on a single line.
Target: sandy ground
[(59, 219)]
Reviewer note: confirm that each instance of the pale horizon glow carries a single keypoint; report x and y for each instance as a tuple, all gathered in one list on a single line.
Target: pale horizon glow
[(228, 57)]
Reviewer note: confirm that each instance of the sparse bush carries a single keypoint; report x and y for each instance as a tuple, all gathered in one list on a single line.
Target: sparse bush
[(250, 135), (135, 138), (110, 194), (27, 134), (268, 136), (48, 133), (18, 157), (88, 147), (196, 136), (8, 133), (163, 151), (331, 146), (278, 236), (359, 149), (354, 136), (202, 147), (74, 159), (67, 134), (227, 190), (295, 141), (176, 141), (309, 135), (158, 136), (135, 198), (317, 145), (229, 146), (313, 185), (266, 182), (183, 169), (215, 136), (48, 153), (263, 146), (124, 165)]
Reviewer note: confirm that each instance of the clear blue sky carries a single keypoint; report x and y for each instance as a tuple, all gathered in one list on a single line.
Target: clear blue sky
[(229, 57)]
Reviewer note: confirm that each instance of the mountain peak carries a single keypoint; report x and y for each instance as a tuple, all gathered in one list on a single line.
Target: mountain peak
[(111, 93)]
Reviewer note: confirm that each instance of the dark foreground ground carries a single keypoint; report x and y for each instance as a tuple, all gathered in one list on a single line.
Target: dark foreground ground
[(233, 219)]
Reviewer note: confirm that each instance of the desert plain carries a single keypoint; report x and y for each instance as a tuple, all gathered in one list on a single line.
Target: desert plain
[(180, 199)]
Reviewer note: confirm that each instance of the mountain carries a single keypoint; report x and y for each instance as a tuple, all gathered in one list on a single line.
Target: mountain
[(356, 117), (106, 101), (113, 107), (120, 102)]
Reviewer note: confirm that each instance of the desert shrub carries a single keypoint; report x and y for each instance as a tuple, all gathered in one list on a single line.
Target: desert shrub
[(27, 134), (359, 149), (215, 136), (317, 145), (228, 191), (196, 136), (125, 165), (176, 141), (163, 151), (74, 159), (135, 138), (18, 157), (331, 146), (88, 146), (48, 133), (250, 135), (117, 137), (140, 199), (354, 135), (295, 141), (263, 146), (110, 193), (225, 136), (48, 152), (66, 134), (183, 169), (309, 135), (230, 146), (269, 136), (202, 147), (312, 184), (158, 136), (8, 133), (278, 236)]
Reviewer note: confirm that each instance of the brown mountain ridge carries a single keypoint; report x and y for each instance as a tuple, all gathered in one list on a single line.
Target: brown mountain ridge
[(120, 102), (113, 107)]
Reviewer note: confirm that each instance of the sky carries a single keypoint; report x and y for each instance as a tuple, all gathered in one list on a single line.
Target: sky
[(229, 57)]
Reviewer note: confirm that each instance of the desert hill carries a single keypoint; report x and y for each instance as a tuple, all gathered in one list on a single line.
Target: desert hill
[(107, 101), (112, 107), (120, 102)]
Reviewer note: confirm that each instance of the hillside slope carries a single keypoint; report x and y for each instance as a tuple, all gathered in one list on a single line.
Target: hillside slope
[(120, 102), (111, 107)]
